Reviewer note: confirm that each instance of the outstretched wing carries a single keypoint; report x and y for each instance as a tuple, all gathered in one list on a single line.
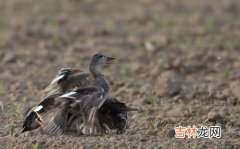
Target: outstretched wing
[(52, 114), (66, 80), (34, 118), (54, 121)]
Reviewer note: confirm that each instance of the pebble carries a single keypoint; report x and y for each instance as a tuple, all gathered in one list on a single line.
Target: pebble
[(214, 117), (9, 58), (171, 133)]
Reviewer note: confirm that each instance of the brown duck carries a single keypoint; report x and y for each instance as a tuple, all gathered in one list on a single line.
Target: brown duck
[(58, 111)]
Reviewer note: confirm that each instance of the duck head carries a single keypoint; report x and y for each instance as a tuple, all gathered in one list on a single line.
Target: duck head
[(99, 60)]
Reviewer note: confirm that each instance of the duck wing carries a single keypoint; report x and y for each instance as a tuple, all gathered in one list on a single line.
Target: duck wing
[(86, 98), (54, 121), (51, 115), (54, 111), (66, 80), (30, 121), (88, 101)]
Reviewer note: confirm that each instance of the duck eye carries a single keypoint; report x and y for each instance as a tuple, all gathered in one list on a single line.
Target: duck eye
[(98, 56)]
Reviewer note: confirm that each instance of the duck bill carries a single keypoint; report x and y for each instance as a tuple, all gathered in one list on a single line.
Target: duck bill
[(110, 60)]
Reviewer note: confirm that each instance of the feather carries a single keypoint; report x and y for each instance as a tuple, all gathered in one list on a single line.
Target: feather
[(57, 79), (69, 95), (55, 120), (66, 80), (29, 122), (38, 108)]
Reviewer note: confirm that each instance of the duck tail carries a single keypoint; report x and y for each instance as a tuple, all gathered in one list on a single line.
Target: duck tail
[(116, 106), (130, 109)]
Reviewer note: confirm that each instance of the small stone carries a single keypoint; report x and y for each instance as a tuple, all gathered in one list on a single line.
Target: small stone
[(9, 58), (16, 135), (214, 117), (177, 63), (34, 142), (171, 133), (172, 85), (235, 88), (28, 134), (149, 46), (228, 145), (24, 109)]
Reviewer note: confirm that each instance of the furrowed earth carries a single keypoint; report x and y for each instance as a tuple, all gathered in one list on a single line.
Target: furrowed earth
[(177, 61)]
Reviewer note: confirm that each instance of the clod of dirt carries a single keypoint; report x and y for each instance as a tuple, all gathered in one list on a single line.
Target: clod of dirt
[(170, 133), (149, 46), (168, 84), (153, 132), (228, 145), (29, 134), (219, 89), (236, 63), (24, 109), (214, 117), (235, 89), (9, 58), (171, 84)]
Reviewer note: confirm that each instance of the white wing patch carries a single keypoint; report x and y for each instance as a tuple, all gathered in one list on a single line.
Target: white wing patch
[(68, 95), (38, 108), (57, 78)]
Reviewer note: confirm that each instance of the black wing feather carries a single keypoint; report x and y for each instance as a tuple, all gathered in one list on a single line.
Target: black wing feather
[(29, 122)]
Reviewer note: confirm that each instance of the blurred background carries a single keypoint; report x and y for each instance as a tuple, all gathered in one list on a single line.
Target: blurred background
[(178, 61)]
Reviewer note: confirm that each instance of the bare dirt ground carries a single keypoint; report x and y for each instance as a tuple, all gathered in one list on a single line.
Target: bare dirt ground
[(178, 61)]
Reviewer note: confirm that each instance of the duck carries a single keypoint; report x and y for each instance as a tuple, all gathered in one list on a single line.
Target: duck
[(101, 112)]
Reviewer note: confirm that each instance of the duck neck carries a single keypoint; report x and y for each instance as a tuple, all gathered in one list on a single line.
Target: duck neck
[(99, 78)]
